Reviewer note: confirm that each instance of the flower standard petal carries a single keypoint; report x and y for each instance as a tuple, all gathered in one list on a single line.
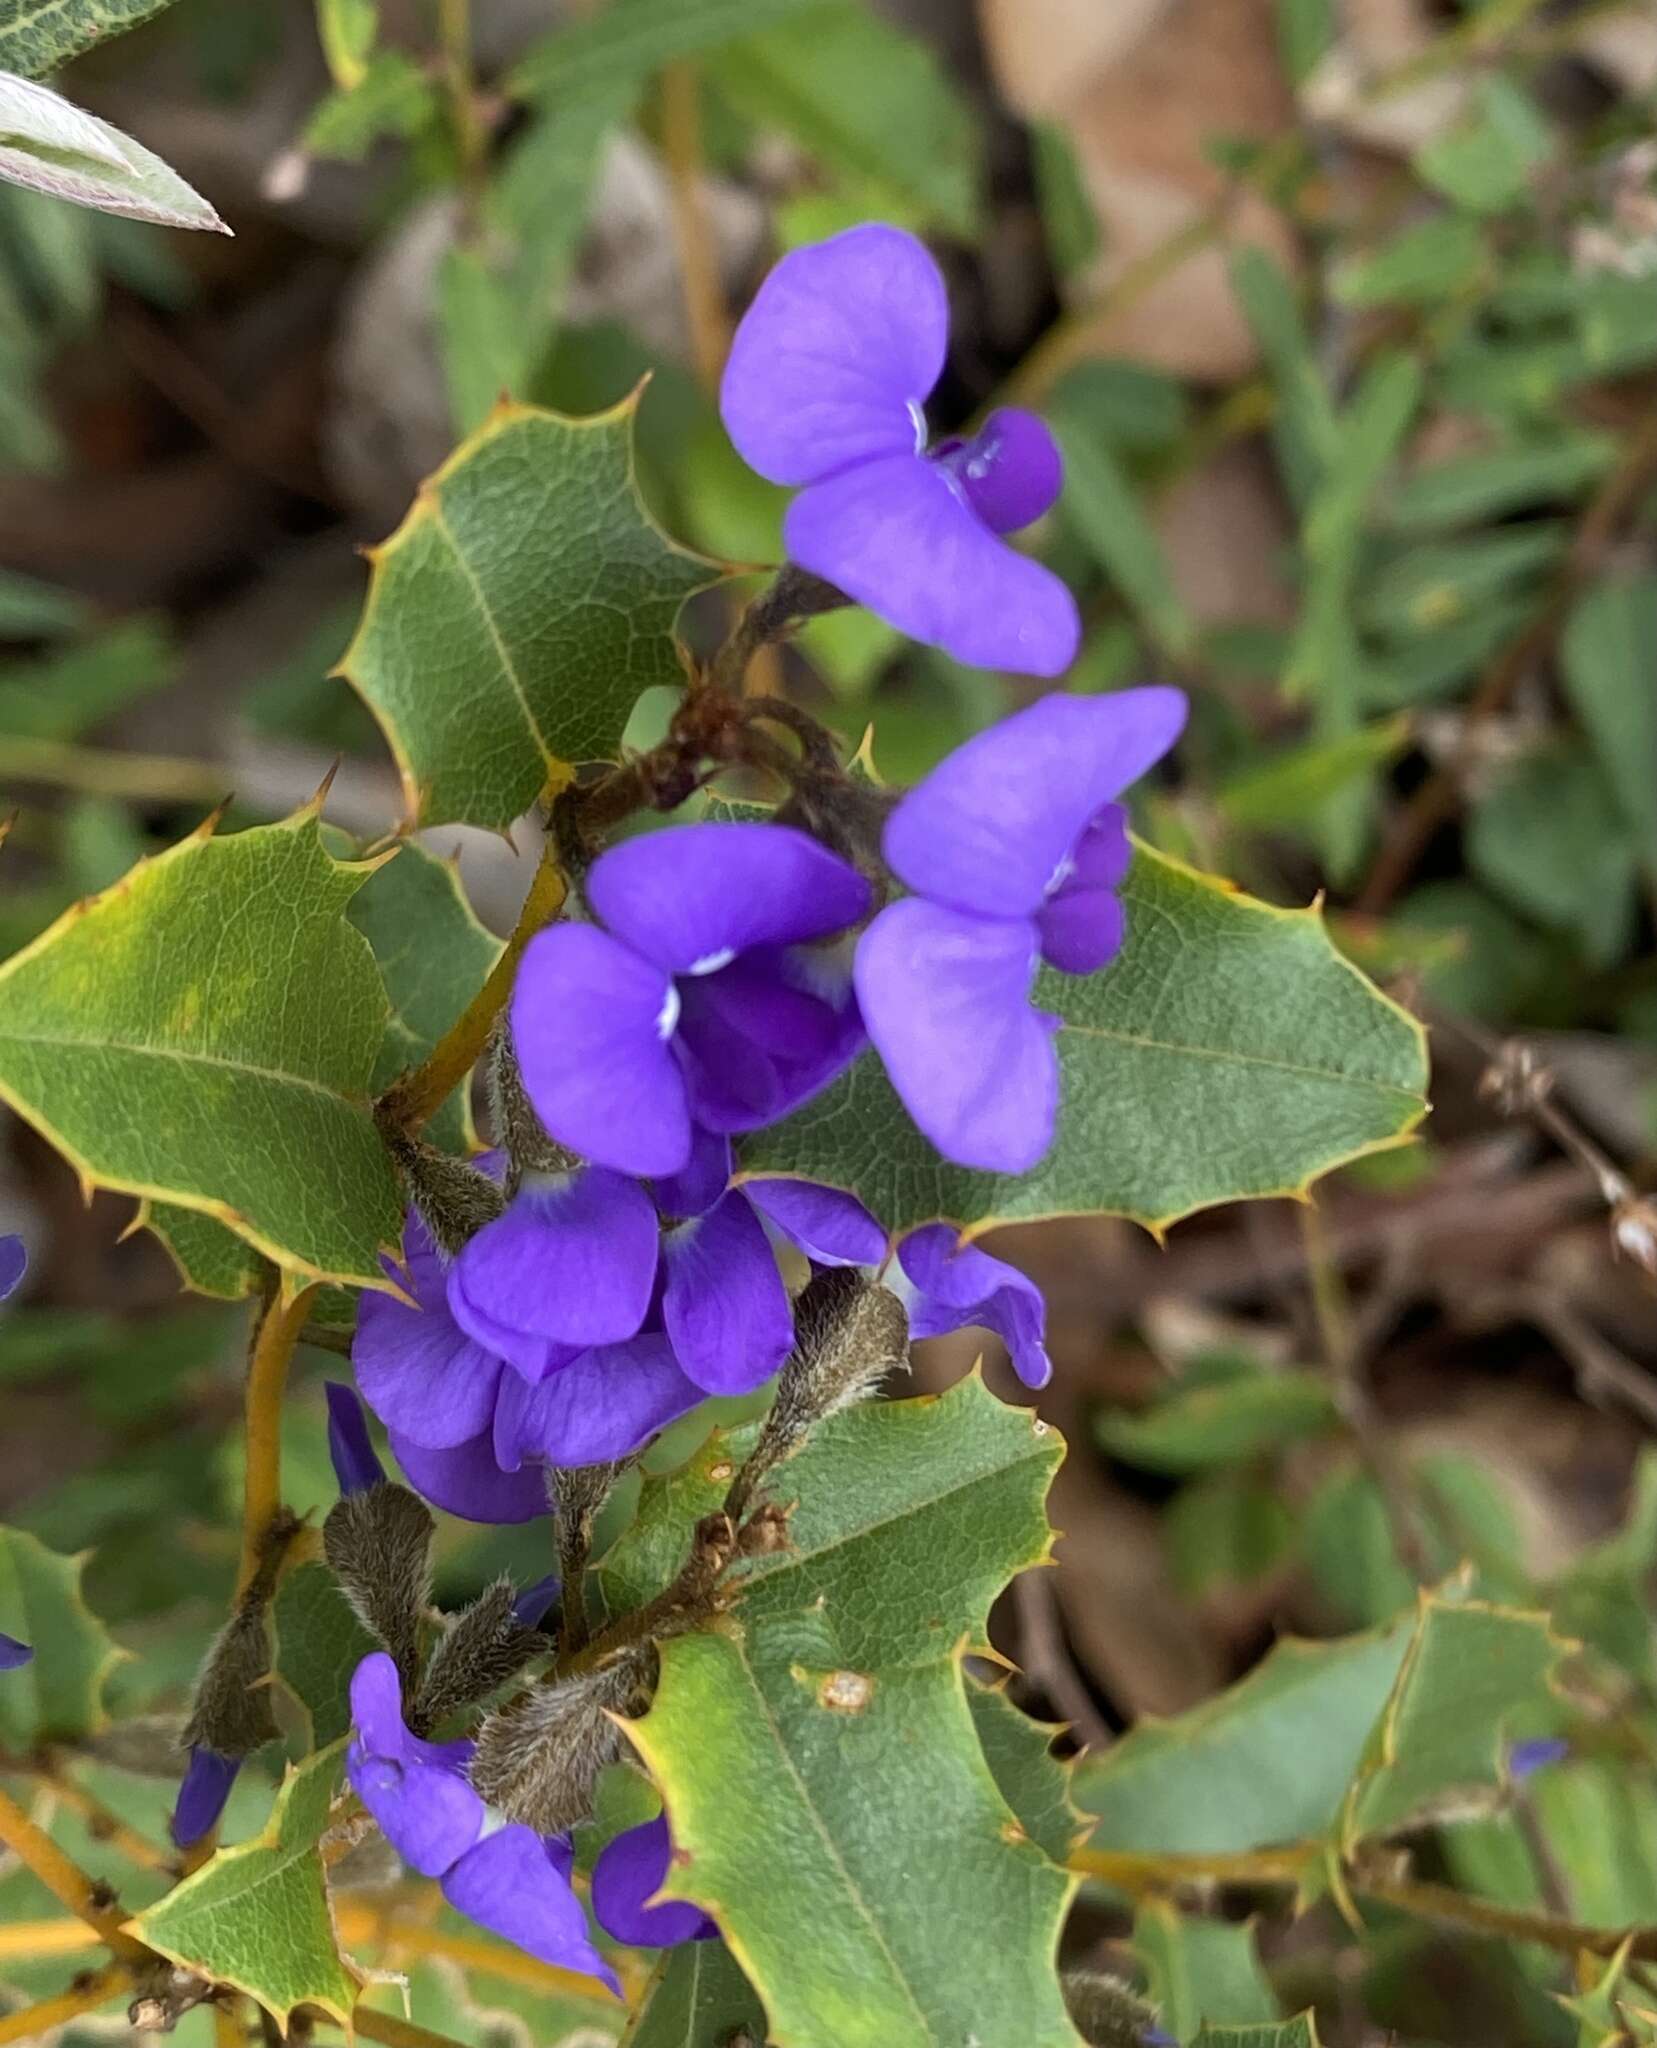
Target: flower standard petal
[(953, 1286), (591, 1020), (514, 1883), (946, 999), (766, 1032), (607, 1404), (899, 537), (842, 340), (630, 1871), (993, 824), (829, 1225), (13, 1262), (418, 1370), (1011, 470), (725, 1304), (691, 897), (465, 1479)]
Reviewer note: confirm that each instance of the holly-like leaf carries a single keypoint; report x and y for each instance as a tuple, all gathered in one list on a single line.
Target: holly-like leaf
[(517, 613), (204, 1033), (1034, 1783), (852, 1780), (1436, 1750), (1229, 1051), (319, 1642), (48, 144), (210, 1258), (59, 1695), (1300, 2032), (36, 36), (1266, 1761), (434, 955), (698, 1998), (256, 1916), (1198, 1970), (910, 1516)]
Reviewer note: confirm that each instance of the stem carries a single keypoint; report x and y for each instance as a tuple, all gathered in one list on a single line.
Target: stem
[(398, 2033), (35, 1939), (681, 112), (36, 2021), (791, 596), (267, 1379), (362, 1925), (96, 771), (104, 1825), (1137, 1871), (424, 1090), (65, 1879), (454, 34)]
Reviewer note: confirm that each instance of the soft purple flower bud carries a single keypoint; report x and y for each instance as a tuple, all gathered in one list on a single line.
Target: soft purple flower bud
[(13, 1654), (356, 1465), (946, 1285), (1159, 2037), (828, 377), (201, 1798), (630, 1871), (1535, 1754), (533, 1603), (13, 1262)]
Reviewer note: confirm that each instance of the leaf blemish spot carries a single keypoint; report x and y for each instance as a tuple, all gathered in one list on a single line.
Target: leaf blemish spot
[(722, 1471), (846, 1692)]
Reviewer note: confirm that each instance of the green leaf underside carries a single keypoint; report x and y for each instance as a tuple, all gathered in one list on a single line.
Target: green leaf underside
[(205, 1033), (516, 615), (908, 1514), (256, 1916), (210, 1258), (58, 1696), (1266, 1761), (319, 1642), (36, 36), (50, 145), (1229, 1051), (842, 1809), (698, 1998)]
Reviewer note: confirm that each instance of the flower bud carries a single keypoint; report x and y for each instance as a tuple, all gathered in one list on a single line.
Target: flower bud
[(453, 1199), (483, 1648), (378, 1544), (538, 1759), (1107, 2013), (518, 1130)]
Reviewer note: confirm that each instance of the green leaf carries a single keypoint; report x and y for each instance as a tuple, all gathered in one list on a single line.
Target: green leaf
[(698, 1998), (211, 1259), (1193, 1428), (257, 1916), (1067, 210), (59, 1695), (1100, 502), (204, 1033), (1601, 1598), (1199, 1970), (1304, 426), (36, 36), (319, 1643), (905, 1512), (1277, 1061), (1228, 1529), (78, 687), (1436, 1750), (394, 97), (1428, 588), (32, 610), (1267, 1761), (869, 101), (1296, 2033), (840, 1805), (1470, 488), (1485, 163), (484, 652), (1423, 264), (48, 144), (1034, 1783), (1291, 787), (1606, 657), (629, 39), (434, 955), (347, 30)]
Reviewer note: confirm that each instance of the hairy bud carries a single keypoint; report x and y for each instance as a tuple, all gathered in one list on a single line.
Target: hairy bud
[(454, 1200), (538, 1759), (231, 1713), (378, 1543), (517, 1128), (1107, 2013), (484, 1647)]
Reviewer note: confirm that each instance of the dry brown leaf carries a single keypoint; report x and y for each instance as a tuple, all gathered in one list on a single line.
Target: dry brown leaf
[(1043, 52)]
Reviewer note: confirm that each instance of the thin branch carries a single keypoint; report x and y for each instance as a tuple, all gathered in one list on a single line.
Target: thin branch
[(363, 1925), (267, 1379), (65, 1879), (99, 771), (34, 2021), (398, 2033), (681, 112), (103, 1824), (34, 1940)]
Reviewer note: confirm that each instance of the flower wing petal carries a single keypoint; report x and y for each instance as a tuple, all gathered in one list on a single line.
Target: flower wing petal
[(725, 1304), (511, 1883), (605, 1405), (629, 1872), (829, 1225), (466, 1480), (957, 1285)]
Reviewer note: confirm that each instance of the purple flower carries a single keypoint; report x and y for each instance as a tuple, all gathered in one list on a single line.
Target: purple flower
[(828, 376), (704, 1001), (1535, 1754), (208, 1778), (947, 1285), (13, 1654), (13, 1261), (356, 1465), (506, 1877), (1014, 848), (630, 1871)]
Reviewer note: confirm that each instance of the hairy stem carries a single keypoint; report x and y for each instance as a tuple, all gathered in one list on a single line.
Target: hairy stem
[(35, 2022), (65, 1879), (792, 596), (267, 1378)]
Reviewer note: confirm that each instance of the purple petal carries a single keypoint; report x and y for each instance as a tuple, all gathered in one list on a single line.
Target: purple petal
[(512, 1883), (842, 340), (465, 1480), (1535, 1754), (1081, 930), (767, 1032), (956, 1286), (13, 1654), (591, 1021), (693, 896), (417, 1791), (570, 1264), (421, 1374), (704, 1180), (830, 1226), (725, 1304), (356, 1466), (896, 536), (532, 1604), (629, 1872), (991, 827), (1011, 471), (13, 1261), (377, 1716), (946, 1000), (208, 1778), (606, 1405)]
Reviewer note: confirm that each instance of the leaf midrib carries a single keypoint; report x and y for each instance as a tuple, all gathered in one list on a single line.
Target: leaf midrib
[(187, 1058), (1228, 1057)]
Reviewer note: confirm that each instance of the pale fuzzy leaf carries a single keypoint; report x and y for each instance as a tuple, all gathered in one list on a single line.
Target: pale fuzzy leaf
[(50, 145)]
